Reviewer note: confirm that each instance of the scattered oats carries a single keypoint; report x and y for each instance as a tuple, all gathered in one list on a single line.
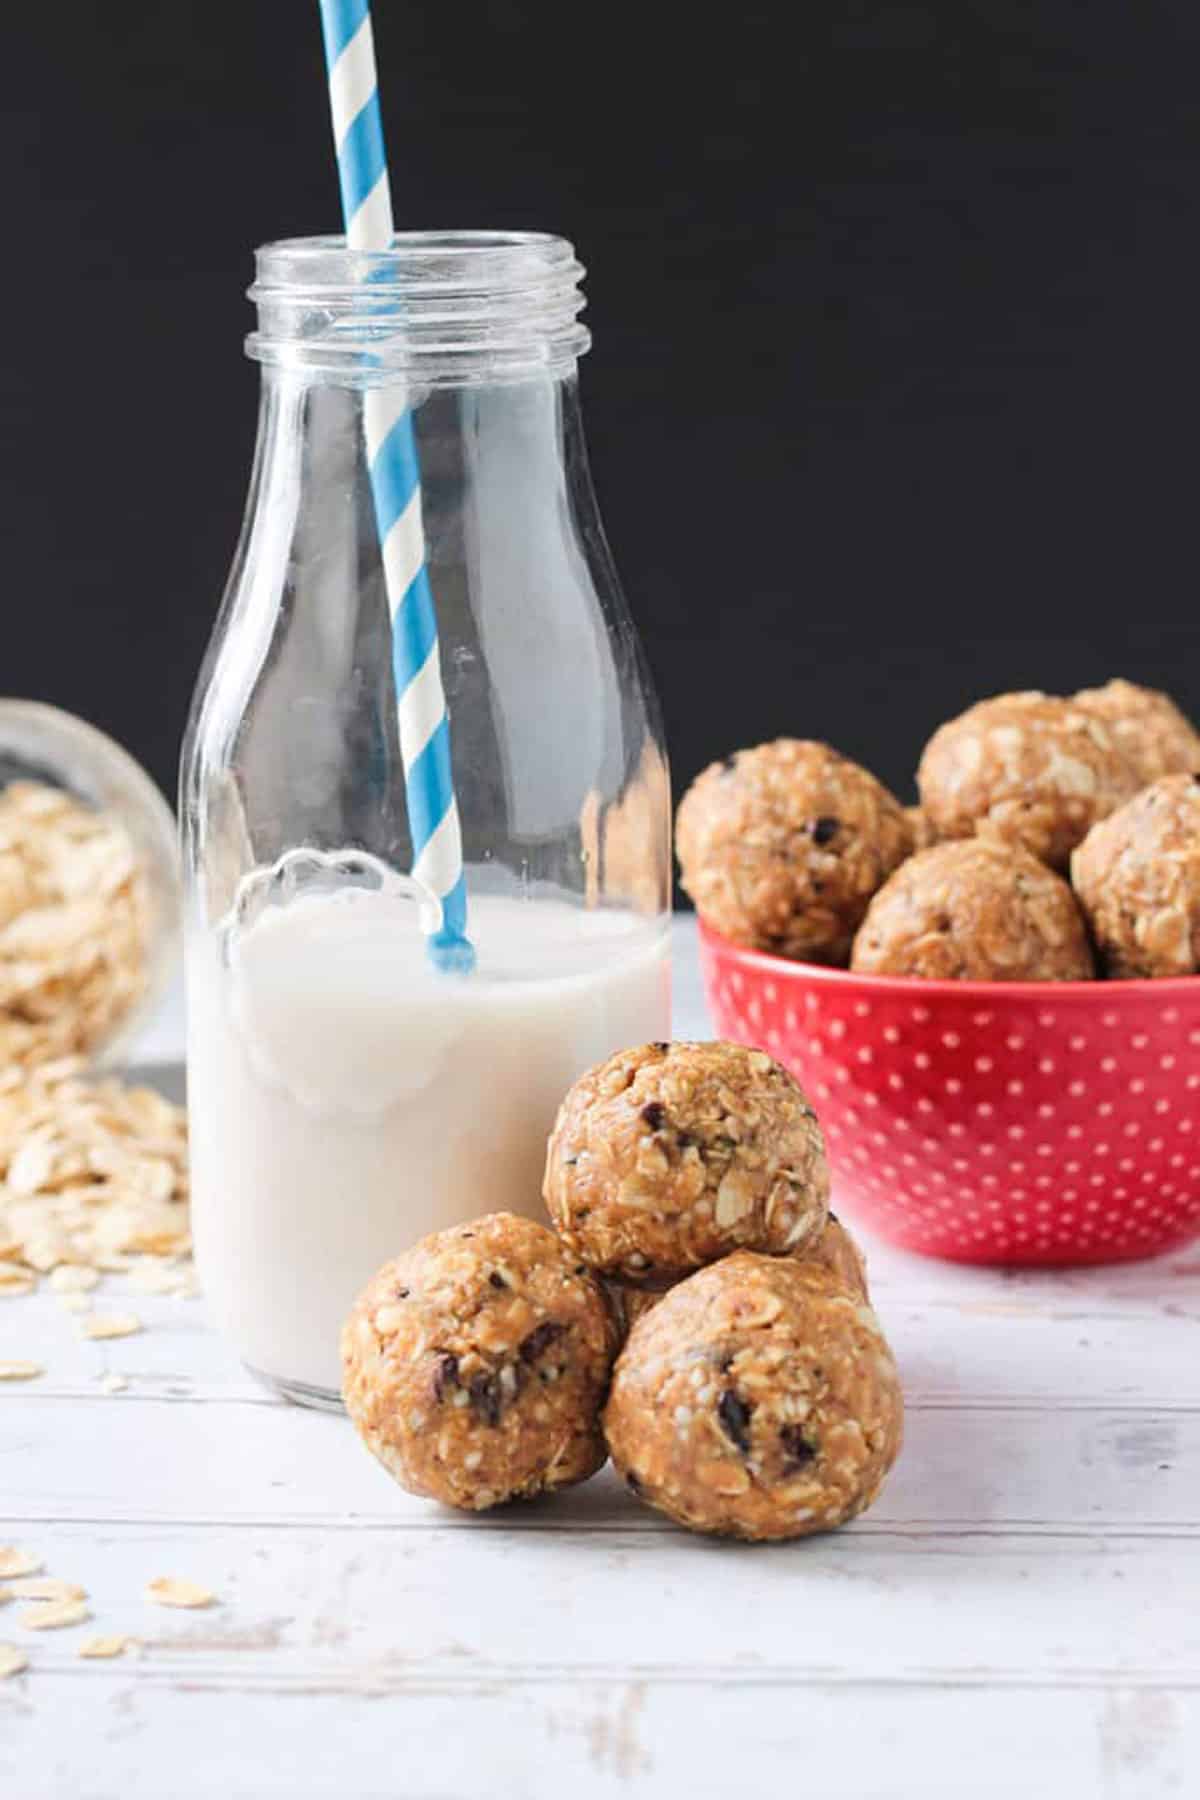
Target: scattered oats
[(50, 1617), (111, 1325), (97, 1647), (167, 1591), (15, 1281), (156, 1277), (45, 1587), (113, 1384), (73, 1278), (20, 1371), (12, 1661), (93, 1175), (18, 1562)]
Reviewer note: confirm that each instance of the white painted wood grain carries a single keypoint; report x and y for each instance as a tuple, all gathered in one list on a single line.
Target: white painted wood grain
[(1017, 1614), (372, 1610), (183, 1739), (1094, 1471)]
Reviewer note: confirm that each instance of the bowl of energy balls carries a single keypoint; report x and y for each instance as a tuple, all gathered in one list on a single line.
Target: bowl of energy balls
[(992, 996), (691, 1309)]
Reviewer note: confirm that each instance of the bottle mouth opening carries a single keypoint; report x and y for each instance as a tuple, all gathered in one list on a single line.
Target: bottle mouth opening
[(444, 306)]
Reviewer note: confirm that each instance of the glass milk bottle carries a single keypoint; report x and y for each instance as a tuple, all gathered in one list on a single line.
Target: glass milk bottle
[(348, 1095)]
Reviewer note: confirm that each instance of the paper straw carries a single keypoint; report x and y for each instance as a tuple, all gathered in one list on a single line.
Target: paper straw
[(395, 483)]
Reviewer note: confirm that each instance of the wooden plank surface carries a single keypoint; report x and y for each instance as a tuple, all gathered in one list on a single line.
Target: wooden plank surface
[(1017, 1613)]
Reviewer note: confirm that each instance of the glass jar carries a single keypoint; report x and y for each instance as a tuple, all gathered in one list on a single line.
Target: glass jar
[(45, 746), (348, 1095)]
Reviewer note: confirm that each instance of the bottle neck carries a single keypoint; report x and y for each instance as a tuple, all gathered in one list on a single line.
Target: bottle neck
[(504, 481), (436, 310)]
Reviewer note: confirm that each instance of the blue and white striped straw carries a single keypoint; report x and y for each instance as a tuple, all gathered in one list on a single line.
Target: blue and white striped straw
[(396, 485)]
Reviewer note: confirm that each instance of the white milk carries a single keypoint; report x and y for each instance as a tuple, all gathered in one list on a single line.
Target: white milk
[(345, 1098)]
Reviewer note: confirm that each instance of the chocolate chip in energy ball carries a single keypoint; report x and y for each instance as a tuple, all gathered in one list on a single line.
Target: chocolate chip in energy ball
[(734, 1415), (796, 1446), (540, 1339), (824, 830), (445, 1375), (487, 1397)]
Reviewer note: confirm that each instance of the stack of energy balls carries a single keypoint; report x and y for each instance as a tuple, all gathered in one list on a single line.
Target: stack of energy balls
[(1056, 838), (697, 1313)]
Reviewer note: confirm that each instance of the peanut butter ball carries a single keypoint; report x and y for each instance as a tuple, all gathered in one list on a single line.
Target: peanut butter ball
[(975, 910), (834, 1250), (476, 1364), (668, 1156), (1030, 769), (1137, 875), (781, 847), (758, 1399), (631, 1299), (920, 826), (1147, 727)]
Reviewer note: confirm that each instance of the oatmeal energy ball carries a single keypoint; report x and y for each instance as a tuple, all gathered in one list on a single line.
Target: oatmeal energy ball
[(758, 1399), (834, 1250), (1030, 769), (669, 1156), (837, 1251), (630, 1301), (920, 828), (781, 847), (1147, 727), (975, 910), (1137, 875), (476, 1364)]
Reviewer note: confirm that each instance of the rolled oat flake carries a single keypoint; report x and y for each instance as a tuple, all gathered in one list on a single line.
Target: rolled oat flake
[(167, 1590)]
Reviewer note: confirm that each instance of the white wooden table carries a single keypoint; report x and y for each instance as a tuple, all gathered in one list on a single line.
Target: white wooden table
[(1018, 1616)]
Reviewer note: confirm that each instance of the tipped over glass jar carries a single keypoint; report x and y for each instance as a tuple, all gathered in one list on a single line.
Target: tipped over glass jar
[(89, 893)]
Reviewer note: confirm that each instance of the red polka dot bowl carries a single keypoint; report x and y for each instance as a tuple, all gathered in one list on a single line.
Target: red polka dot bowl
[(1010, 1123)]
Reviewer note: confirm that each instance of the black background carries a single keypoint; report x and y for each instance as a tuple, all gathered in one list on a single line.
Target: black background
[(894, 393)]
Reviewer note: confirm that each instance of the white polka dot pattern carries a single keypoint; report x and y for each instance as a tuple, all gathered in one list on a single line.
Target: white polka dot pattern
[(1016, 1133)]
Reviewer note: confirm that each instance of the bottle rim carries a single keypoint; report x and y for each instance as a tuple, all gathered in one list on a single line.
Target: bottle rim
[(441, 307)]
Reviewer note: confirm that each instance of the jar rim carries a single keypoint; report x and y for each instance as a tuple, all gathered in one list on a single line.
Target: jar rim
[(441, 257), (490, 301), (403, 242)]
